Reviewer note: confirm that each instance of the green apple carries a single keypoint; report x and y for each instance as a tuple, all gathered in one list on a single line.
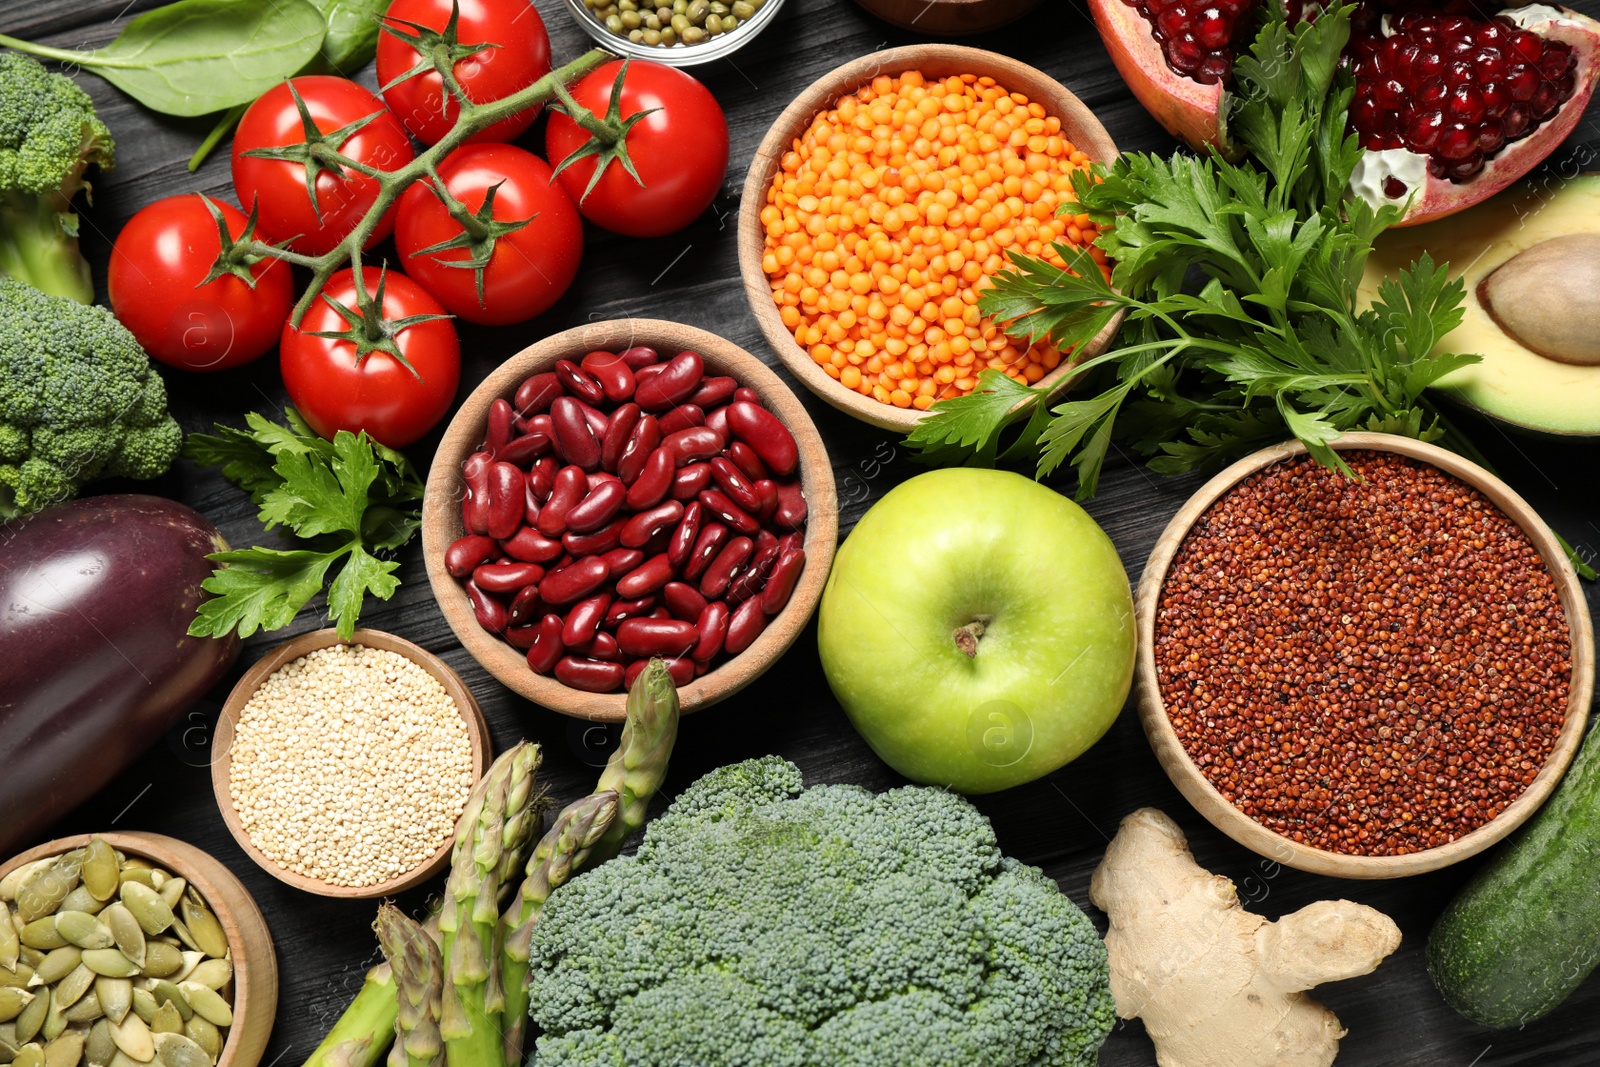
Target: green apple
[(978, 629)]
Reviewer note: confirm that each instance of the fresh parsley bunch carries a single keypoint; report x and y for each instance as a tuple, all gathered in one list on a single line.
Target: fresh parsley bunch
[(350, 499), (1239, 283)]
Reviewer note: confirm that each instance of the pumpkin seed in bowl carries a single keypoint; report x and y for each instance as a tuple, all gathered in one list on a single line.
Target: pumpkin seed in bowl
[(103, 954)]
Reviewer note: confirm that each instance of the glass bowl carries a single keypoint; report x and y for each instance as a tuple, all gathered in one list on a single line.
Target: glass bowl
[(679, 55)]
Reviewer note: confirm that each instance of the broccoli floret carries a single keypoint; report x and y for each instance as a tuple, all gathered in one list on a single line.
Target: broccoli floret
[(763, 924), (79, 400), (49, 135)]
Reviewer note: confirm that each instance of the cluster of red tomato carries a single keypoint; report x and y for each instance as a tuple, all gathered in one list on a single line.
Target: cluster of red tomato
[(397, 386)]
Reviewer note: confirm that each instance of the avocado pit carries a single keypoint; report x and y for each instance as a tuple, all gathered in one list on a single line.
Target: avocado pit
[(1547, 298)]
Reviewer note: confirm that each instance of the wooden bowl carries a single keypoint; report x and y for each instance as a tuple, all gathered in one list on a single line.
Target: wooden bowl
[(1210, 802), (1078, 125), (255, 963), (441, 512), (949, 18), (288, 652)]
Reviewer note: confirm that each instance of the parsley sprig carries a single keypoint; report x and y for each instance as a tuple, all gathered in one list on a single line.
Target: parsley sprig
[(350, 499), (1239, 283)]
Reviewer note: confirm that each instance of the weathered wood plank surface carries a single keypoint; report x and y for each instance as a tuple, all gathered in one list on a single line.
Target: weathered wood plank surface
[(1062, 823)]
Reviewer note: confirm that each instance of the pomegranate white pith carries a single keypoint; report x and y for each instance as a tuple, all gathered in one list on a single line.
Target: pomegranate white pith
[(1451, 104)]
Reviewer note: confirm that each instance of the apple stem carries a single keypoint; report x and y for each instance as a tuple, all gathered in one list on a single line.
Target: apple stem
[(966, 637)]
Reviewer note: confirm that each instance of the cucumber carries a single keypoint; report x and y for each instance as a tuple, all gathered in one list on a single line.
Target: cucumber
[(1525, 932)]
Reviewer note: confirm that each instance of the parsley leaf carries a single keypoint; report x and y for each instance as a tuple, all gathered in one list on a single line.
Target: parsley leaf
[(348, 499), (241, 457), (1238, 281), (973, 422), (258, 589)]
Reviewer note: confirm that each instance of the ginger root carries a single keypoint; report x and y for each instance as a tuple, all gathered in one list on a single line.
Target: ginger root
[(1218, 986)]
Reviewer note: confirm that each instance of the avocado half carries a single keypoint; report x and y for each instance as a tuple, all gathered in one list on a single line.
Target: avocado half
[(1530, 258)]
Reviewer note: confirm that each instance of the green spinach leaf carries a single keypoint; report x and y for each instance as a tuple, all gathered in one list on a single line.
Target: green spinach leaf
[(352, 38), (195, 57)]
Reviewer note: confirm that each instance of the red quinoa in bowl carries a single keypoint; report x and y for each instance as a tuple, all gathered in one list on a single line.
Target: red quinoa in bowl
[(1372, 666)]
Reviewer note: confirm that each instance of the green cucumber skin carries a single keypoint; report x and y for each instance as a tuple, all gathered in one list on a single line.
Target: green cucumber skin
[(1525, 932)]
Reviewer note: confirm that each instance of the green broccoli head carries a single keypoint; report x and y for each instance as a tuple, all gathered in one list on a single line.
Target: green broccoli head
[(79, 400), (765, 924), (49, 135)]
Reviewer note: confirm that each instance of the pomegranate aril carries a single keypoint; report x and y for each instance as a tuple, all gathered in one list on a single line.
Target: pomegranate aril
[(1212, 30), (1555, 61), (1495, 99), (1405, 58), (1423, 131), (1528, 45), (1457, 143), (1365, 116), (1465, 105), (1185, 54), (1427, 64), (1432, 93), (1466, 168), (1173, 21), (1213, 69), (1515, 121), (1394, 188), (1458, 48), (1522, 81), (1491, 136), (1458, 73), (1546, 99), (1488, 64)]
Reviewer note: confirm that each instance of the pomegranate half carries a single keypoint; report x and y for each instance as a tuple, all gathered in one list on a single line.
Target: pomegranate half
[(1451, 104)]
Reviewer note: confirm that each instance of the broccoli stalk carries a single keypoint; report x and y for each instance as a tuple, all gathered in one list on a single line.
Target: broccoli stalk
[(49, 135)]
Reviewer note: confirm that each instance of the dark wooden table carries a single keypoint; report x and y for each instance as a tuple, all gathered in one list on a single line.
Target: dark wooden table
[(1061, 823)]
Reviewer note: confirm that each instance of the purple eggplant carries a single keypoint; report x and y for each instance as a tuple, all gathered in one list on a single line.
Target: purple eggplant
[(96, 664)]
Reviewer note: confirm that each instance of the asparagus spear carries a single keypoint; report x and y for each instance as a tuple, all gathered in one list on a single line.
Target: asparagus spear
[(418, 973), (582, 838), (638, 766), (565, 847), (469, 921), (362, 1034)]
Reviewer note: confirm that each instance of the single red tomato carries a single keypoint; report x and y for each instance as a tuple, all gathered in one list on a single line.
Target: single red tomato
[(500, 47), (157, 278), (279, 185), (356, 382), (680, 149), (529, 266)]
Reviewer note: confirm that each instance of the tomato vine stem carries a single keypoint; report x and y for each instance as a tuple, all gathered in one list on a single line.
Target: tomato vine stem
[(473, 118)]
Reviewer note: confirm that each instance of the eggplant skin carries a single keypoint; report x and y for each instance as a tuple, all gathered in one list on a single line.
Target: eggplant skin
[(96, 664)]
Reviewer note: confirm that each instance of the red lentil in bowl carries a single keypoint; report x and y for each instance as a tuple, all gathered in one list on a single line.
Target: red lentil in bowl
[(1368, 676)]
